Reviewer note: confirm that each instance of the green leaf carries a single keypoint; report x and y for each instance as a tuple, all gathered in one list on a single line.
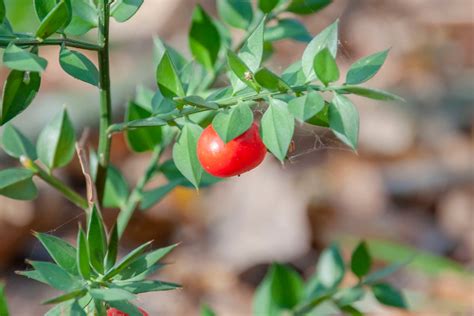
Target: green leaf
[(168, 79), (126, 261), (325, 67), (236, 13), (388, 295), (233, 123), (241, 71), (78, 66), (141, 139), (171, 172), (365, 68), (288, 29), (126, 307), (96, 240), (84, 18), (3, 12), (307, 6), (145, 262), (207, 311), (322, 118), (16, 144), (307, 106), (139, 287), (277, 127), (111, 295), (56, 276), (19, 91), (328, 38), (351, 311), (185, 153), (112, 250), (271, 81), (17, 184), (361, 262), (383, 273), (56, 18), (3, 299), (280, 291), (252, 51), (77, 294), (116, 189), (43, 7), (349, 296), (330, 269), (62, 252), (294, 75), (55, 144), (152, 197), (17, 58), (199, 102), (267, 6), (123, 10), (371, 93), (344, 120), (160, 48), (83, 257), (204, 39)]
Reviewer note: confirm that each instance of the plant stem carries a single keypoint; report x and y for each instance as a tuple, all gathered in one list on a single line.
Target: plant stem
[(105, 99), (49, 42), (135, 197), (68, 193)]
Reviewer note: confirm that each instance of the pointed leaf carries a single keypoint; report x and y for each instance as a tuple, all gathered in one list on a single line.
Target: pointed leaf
[(307, 6), (252, 51), (17, 184), (294, 75), (16, 144), (168, 79), (271, 81), (126, 261), (371, 93), (19, 91), (349, 296), (126, 307), (204, 38), (84, 18), (328, 38), (365, 68), (241, 71), (17, 58), (43, 7), (111, 295), (288, 29), (199, 102), (3, 12), (361, 262), (116, 189), (148, 286), (112, 250), (56, 18), (55, 144), (123, 10), (141, 139), (330, 269), (325, 67), (236, 13), (96, 240), (383, 273), (233, 123), (267, 5), (55, 276), (62, 252), (388, 295), (307, 106), (344, 120), (185, 153), (79, 66), (77, 294), (207, 311), (83, 257), (3, 299), (277, 126), (152, 197)]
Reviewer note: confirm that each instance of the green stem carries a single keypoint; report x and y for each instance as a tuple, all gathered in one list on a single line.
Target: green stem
[(68, 193), (135, 197), (49, 42), (105, 99)]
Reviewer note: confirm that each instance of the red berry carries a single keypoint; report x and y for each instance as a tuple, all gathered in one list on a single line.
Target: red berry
[(116, 312), (240, 155)]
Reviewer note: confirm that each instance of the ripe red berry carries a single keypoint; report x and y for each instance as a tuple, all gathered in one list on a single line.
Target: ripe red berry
[(116, 312), (240, 155)]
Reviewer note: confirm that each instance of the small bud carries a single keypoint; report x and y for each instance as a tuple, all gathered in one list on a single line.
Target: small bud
[(248, 75)]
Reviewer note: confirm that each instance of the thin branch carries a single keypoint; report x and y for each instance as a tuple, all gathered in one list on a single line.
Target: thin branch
[(4, 42)]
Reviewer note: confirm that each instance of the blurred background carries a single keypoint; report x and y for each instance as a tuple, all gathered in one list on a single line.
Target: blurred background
[(409, 189)]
